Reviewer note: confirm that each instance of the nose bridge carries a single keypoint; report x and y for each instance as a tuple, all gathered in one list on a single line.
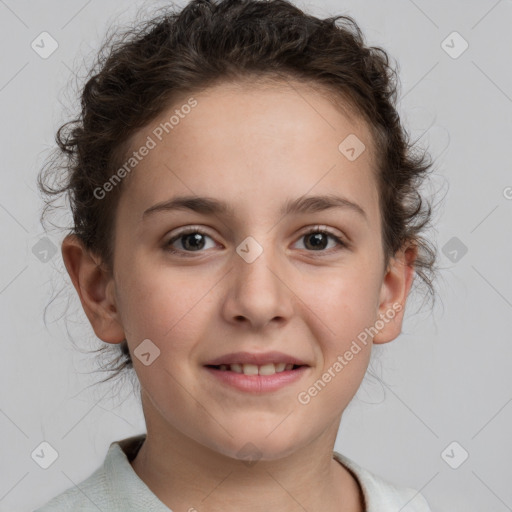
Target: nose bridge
[(257, 291)]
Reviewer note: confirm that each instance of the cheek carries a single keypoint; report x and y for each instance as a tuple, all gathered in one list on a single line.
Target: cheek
[(158, 304), (345, 302), (341, 311), (344, 310)]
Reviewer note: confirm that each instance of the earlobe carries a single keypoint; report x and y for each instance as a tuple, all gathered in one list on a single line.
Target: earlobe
[(395, 288), (95, 287)]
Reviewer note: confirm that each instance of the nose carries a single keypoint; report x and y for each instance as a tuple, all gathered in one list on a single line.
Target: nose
[(258, 292)]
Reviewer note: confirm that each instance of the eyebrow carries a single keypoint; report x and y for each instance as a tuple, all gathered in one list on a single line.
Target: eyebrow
[(212, 206)]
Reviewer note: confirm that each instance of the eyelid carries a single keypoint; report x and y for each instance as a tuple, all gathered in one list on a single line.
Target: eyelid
[(320, 227), (191, 228), (323, 227)]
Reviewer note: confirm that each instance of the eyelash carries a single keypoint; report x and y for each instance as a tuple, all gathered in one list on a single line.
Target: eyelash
[(341, 244)]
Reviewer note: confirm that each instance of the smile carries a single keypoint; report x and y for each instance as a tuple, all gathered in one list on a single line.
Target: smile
[(253, 369), (254, 379)]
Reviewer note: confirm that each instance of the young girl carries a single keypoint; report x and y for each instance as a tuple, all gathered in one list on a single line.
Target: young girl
[(247, 224)]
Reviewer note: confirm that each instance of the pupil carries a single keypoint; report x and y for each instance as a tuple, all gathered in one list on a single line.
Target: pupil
[(196, 237), (317, 237)]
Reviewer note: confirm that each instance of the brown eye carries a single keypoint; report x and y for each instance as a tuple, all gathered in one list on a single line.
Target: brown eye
[(318, 239), (192, 240)]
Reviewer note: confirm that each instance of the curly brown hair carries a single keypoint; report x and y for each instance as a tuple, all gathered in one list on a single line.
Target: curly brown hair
[(139, 72)]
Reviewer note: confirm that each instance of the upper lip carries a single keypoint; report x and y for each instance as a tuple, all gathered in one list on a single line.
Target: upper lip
[(259, 358)]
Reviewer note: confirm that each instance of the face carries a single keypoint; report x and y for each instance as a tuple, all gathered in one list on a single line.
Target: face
[(250, 278)]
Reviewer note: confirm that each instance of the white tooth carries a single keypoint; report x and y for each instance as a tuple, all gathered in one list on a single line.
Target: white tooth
[(267, 369), (223, 367), (237, 368), (280, 367), (250, 369), (288, 367)]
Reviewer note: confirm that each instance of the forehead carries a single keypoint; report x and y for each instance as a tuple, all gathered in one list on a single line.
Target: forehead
[(254, 146)]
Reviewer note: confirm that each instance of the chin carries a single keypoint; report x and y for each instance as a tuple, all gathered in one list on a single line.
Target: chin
[(252, 448)]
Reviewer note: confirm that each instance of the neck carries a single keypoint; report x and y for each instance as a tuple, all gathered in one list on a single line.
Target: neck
[(186, 475)]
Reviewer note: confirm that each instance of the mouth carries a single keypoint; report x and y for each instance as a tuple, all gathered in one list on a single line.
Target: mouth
[(257, 372), (257, 379), (253, 369)]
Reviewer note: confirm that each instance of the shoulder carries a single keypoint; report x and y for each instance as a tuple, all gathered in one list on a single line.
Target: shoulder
[(113, 487), (381, 495), (88, 496)]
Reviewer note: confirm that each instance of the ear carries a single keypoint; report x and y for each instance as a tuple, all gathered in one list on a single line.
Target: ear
[(395, 289), (95, 287)]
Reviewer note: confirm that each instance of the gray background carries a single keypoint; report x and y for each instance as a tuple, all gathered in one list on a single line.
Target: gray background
[(446, 378)]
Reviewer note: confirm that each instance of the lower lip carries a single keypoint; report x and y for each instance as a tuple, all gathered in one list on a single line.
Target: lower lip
[(258, 384)]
